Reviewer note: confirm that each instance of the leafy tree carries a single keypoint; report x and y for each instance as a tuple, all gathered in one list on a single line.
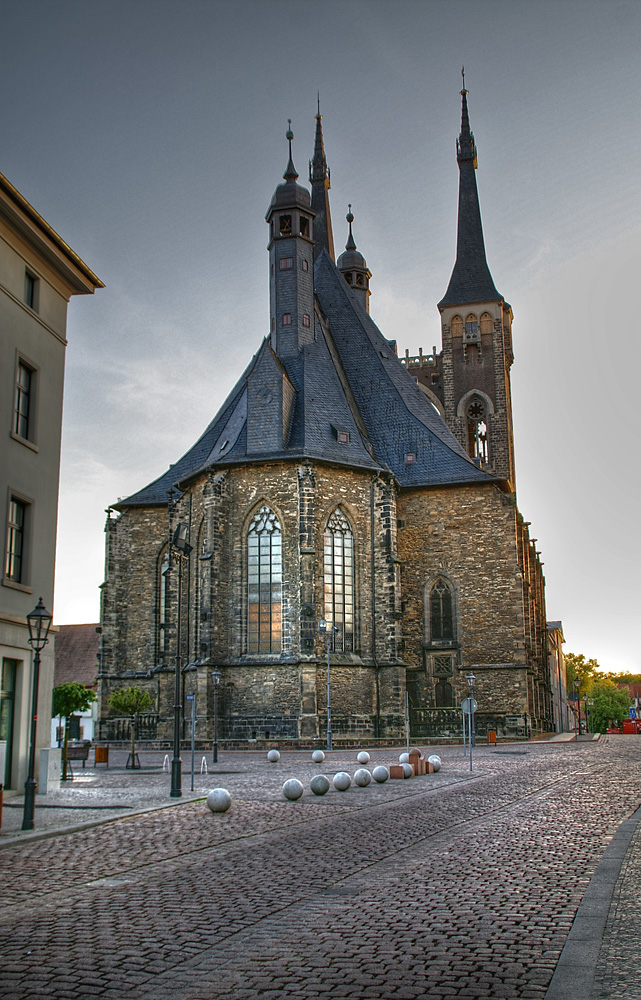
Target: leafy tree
[(610, 702), (67, 700), (577, 666), (131, 701)]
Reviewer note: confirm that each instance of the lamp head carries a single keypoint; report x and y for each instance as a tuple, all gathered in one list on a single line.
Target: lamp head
[(215, 676), (39, 621), (322, 625)]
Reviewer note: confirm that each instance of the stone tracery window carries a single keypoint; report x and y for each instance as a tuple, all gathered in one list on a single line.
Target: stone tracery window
[(441, 611), (476, 412), (163, 604), (338, 562), (264, 583)]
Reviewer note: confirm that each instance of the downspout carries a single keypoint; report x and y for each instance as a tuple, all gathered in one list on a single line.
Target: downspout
[(377, 720)]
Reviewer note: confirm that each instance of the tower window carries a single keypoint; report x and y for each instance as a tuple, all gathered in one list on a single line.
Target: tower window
[(456, 326), (338, 562), (285, 263), (477, 429), (441, 612), (285, 225), (305, 265), (304, 226), (264, 583), (487, 324), (360, 280), (287, 319), (306, 320), (348, 277)]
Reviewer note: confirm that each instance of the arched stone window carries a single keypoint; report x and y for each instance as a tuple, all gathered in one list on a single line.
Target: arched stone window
[(264, 583), (471, 325), (476, 413), (456, 326), (487, 323), (442, 625), (338, 565), (163, 605)]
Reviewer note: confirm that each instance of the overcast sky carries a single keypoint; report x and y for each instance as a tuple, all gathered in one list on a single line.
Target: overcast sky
[(150, 135)]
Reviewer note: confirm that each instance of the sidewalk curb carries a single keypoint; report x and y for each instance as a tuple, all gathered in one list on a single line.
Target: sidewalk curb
[(574, 973)]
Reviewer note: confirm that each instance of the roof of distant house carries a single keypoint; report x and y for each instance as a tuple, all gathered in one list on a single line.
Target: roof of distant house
[(76, 655)]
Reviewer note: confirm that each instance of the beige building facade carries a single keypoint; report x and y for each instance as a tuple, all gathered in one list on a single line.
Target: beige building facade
[(38, 275)]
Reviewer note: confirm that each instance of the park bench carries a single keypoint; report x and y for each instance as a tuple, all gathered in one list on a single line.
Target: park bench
[(79, 751)]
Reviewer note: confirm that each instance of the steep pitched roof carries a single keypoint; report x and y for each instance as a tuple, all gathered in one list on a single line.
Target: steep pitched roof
[(76, 655), (471, 280)]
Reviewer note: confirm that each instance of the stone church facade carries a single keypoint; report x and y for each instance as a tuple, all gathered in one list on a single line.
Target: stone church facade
[(340, 484)]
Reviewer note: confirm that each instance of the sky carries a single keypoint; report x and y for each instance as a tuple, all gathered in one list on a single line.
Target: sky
[(150, 135)]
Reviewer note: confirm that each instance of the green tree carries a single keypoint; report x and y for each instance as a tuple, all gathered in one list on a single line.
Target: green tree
[(577, 666), (67, 700), (610, 703), (131, 701)]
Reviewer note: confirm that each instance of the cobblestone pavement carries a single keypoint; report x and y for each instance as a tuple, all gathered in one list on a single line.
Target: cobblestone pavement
[(450, 885)]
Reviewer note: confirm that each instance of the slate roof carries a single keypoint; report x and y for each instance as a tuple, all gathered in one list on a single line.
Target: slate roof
[(471, 280), (76, 655), (348, 379)]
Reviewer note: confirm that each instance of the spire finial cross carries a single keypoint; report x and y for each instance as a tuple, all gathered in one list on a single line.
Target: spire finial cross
[(464, 91)]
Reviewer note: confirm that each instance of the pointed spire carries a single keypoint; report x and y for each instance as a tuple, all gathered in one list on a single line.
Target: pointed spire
[(471, 280), (319, 177), (291, 174), (350, 245)]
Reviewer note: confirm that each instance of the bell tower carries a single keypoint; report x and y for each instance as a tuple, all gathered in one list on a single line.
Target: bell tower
[(476, 324)]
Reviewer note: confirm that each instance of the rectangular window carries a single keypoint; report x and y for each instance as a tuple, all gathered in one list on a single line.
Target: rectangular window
[(285, 263), (305, 265), (31, 290), (14, 567), (304, 226), (23, 401), (287, 319), (306, 320)]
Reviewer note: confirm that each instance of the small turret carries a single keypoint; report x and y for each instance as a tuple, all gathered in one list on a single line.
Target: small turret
[(291, 247), (353, 266)]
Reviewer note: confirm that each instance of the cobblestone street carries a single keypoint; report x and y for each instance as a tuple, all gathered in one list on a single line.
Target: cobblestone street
[(457, 884)]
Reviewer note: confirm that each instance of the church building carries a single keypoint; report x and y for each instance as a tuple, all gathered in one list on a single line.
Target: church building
[(344, 507)]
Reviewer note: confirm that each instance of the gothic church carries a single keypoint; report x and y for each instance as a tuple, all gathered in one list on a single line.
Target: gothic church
[(339, 483)]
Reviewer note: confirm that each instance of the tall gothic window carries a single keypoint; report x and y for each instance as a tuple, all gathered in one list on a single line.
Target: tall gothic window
[(339, 580), (264, 583), (441, 612), (163, 604), (477, 429)]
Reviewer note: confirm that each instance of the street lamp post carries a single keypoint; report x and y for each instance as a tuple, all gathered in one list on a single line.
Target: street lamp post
[(181, 550), (471, 680), (577, 691), (215, 676), (328, 632), (38, 621)]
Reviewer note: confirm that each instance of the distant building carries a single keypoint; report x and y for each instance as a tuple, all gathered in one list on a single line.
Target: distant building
[(76, 661), (558, 678), (338, 484), (38, 275)]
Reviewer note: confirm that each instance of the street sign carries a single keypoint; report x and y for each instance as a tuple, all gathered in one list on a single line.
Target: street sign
[(633, 713), (190, 697), (465, 705)]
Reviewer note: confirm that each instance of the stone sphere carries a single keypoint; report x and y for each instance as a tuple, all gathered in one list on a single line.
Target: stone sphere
[(362, 777), (435, 761), (380, 774), (219, 800), (293, 789), (318, 756), (363, 757), (342, 781), (273, 756), (404, 758), (408, 771), (319, 784)]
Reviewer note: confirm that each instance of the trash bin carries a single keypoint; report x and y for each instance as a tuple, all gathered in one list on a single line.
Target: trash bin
[(102, 755), (491, 736)]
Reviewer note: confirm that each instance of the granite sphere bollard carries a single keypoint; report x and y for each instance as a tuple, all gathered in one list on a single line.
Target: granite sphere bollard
[(362, 777), (435, 761), (318, 756), (293, 789), (341, 781), (404, 758), (408, 770), (363, 757), (219, 800), (273, 756), (319, 784), (380, 774)]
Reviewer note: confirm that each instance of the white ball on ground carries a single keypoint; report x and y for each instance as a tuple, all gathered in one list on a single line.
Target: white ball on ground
[(362, 777), (318, 756), (435, 761), (293, 789), (319, 784), (219, 800), (342, 781), (408, 771), (273, 756), (404, 758), (380, 774), (363, 757)]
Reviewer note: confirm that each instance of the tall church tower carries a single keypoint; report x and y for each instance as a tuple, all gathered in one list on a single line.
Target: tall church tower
[(477, 334)]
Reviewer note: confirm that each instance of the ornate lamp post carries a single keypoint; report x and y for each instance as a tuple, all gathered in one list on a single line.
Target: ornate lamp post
[(329, 633), (181, 549), (577, 690), (215, 677), (471, 681), (38, 621)]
